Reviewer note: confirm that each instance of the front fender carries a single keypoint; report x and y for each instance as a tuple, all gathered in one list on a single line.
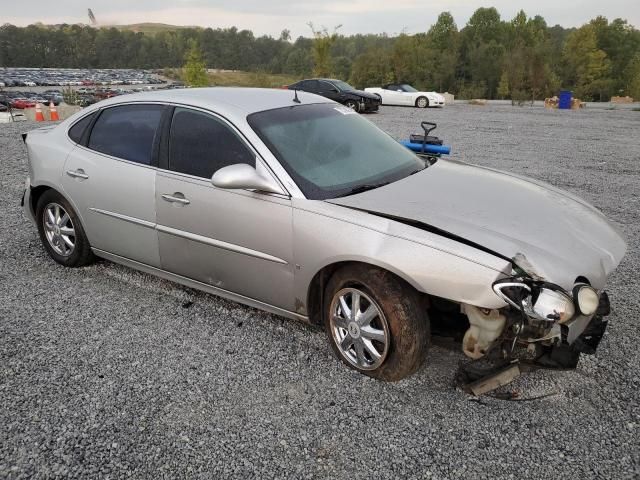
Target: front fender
[(326, 234)]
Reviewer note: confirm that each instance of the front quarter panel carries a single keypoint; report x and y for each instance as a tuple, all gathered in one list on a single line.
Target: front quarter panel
[(325, 234)]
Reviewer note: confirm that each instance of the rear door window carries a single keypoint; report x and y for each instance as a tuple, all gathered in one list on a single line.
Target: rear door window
[(127, 132), (201, 144), (77, 130)]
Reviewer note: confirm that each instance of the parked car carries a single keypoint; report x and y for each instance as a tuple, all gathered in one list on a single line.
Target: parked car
[(405, 94), (340, 92), (292, 203), (22, 103)]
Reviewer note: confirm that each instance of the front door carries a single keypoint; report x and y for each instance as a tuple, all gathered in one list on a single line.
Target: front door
[(111, 180), (236, 240)]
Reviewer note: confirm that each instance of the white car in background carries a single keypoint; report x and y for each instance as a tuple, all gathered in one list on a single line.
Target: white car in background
[(405, 94)]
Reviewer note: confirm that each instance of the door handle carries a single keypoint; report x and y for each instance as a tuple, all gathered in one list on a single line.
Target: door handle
[(77, 174), (174, 199)]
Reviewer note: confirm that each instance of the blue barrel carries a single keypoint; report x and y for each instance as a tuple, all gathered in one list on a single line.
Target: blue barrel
[(434, 149), (565, 99)]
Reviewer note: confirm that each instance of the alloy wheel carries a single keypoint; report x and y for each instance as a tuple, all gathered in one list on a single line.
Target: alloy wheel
[(423, 102), (59, 229), (359, 329)]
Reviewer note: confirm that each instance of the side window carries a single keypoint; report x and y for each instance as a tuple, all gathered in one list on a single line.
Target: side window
[(127, 132), (325, 87), (392, 87), (310, 86), (200, 144), (77, 130)]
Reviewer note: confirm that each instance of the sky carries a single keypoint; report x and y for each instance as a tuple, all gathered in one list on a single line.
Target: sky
[(270, 17)]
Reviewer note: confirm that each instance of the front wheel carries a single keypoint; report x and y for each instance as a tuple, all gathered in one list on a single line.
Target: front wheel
[(376, 323), (422, 102), (353, 105)]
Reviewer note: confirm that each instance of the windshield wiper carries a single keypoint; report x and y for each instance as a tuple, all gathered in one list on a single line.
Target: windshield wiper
[(363, 188)]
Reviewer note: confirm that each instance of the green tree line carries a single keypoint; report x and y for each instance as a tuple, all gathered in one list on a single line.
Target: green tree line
[(519, 59)]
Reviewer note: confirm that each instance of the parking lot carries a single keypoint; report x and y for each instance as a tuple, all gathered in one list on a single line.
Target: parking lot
[(106, 372)]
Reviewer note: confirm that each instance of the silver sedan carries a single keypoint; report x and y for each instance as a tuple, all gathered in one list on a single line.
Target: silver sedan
[(292, 203)]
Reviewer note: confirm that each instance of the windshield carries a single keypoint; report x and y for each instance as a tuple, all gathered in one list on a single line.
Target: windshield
[(407, 88), (331, 151), (342, 85)]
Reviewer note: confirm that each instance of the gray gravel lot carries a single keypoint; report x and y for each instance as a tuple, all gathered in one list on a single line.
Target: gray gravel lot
[(110, 373)]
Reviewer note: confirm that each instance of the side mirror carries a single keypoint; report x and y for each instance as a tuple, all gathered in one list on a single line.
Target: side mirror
[(243, 176)]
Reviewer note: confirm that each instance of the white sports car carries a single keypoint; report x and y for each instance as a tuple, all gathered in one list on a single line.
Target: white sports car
[(404, 94)]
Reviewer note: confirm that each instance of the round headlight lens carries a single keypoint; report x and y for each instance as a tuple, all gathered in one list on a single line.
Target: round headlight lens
[(587, 299)]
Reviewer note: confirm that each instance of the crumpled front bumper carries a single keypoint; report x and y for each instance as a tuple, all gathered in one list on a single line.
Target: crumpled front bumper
[(587, 339), (578, 338)]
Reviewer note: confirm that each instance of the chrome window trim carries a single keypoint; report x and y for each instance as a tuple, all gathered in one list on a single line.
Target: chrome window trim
[(84, 147), (271, 163), (242, 138)]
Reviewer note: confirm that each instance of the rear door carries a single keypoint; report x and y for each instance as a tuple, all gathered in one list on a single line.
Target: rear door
[(110, 176), (236, 240)]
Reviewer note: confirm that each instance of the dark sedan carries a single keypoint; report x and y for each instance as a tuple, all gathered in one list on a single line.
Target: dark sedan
[(340, 92)]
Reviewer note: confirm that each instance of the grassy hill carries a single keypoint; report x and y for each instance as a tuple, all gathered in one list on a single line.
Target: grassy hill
[(148, 28), (236, 78)]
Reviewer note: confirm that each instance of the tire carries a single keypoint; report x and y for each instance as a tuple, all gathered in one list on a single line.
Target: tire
[(401, 317), (67, 244), (353, 105), (422, 102)]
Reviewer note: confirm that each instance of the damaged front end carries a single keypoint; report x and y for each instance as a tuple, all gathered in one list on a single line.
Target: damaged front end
[(544, 322)]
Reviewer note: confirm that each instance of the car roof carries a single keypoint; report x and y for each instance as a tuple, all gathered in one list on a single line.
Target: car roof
[(233, 102)]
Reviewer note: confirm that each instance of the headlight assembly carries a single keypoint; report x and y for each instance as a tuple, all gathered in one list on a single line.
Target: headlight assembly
[(586, 299), (553, 305), (537, 302)]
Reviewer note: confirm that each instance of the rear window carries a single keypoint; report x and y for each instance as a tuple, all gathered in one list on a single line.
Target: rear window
[(127, 132), (77, 130)]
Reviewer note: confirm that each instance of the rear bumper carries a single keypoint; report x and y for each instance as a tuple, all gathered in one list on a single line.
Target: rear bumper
[(25, 203)]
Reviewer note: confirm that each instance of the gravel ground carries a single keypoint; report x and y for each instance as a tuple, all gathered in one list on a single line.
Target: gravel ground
[(109, 373)]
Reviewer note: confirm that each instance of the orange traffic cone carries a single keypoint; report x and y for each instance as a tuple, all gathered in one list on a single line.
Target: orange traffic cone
[(53, 112), (39, 115)]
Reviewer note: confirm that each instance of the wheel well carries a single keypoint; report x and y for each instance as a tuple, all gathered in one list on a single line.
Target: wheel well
[(36, 193), (315, 293)]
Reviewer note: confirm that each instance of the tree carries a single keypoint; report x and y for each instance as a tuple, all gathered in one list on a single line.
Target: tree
[(322, 43), (503, 86), (372, 68), (588, 65), (195, 73), (443, 41)]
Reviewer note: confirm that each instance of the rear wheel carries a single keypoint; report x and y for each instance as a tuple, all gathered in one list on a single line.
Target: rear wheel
[(61, 232), (422, 102), (376, 323)]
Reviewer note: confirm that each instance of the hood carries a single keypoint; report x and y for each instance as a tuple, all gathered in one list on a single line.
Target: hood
[(364, 94), (550, 234)]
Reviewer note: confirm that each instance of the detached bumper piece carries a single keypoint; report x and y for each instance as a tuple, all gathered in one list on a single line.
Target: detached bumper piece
[(480, 380), (566, 356)]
